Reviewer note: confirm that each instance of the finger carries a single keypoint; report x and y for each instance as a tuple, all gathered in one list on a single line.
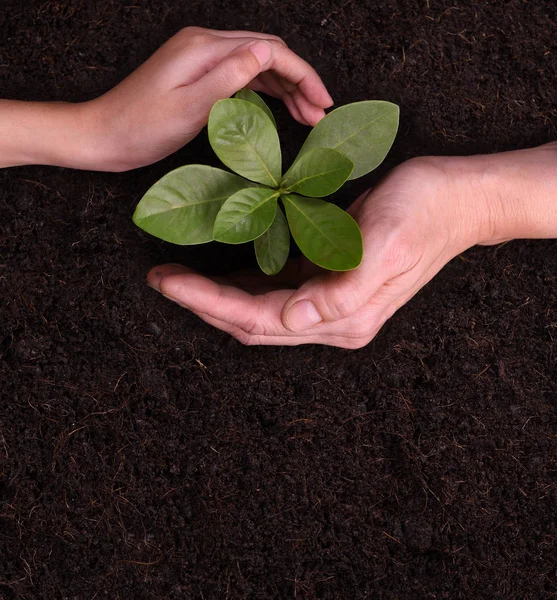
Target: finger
[(291, 69), (258, 86), (284, 63), (340, 340), (250, 319), (293, 109), (253, 314), (244, 34), (279, 91), (232, 73), (294, 69), (312, 114), (272, 83), (353, 332)]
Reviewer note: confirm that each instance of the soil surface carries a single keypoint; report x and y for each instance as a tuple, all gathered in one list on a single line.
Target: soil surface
[(145, 455)]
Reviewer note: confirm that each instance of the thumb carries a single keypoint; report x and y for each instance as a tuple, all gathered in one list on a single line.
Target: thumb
[(337, 295), (328, 297), (233, 73)]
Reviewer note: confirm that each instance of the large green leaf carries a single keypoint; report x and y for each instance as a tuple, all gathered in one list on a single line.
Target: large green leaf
[(271, 248), (182, 206), (246, 215), (362, 131), (250, 96), (246, 140), (319, 172), (326, 234)]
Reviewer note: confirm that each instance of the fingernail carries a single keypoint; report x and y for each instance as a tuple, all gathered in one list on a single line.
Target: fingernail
[(331, 101), (302, 315), (261, 51)]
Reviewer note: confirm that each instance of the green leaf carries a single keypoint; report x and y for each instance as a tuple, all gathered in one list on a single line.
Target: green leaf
[(326, 234), (362, 131), (272, 248), (182, 206), (250, 96), (246, 215), (319, 172), (245, 139)]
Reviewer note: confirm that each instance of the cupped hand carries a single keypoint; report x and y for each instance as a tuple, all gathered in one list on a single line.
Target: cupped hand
[(166, 102), (413, 223)]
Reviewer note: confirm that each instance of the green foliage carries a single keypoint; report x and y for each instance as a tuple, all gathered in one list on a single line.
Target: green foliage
[(246, 141), (319, 172), (246, 215), (326, 234), (363, 131), (196, 203), (271, 248), (251, 96), (182, 206)]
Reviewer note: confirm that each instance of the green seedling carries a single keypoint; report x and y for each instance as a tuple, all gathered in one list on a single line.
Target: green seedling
[(196, 204)]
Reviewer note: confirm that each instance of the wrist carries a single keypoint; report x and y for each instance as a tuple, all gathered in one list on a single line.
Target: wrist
[(50, 133), (507, 195)]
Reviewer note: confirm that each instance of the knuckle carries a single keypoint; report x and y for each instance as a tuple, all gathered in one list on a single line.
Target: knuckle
[(417, 167), (400, 242), (247, 338), (252, 327), (198, 40), (243, 337), (339, 305), (258, 325), (402, 253), (278, 41), (193, 37), (241, 70), (339, 302)]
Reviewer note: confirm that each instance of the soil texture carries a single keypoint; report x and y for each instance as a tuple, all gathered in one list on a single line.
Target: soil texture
[(145, 455)]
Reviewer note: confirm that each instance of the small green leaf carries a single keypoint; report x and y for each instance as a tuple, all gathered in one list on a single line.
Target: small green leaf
[(246, 215), (319, 172), (250, 96), (326, 234), (245, 139), (182, 206), (362, 131), (271, 248)]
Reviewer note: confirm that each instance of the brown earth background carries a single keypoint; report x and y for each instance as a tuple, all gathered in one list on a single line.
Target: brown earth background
[(145, 455)]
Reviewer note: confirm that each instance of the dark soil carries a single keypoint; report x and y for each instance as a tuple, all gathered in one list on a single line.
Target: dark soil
[(145, 455)]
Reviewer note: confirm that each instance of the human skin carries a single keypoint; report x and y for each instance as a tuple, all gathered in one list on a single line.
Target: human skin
[(162, 105), (425, 212)]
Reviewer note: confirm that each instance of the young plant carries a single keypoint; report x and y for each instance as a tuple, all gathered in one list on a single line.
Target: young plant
[(196, 204)]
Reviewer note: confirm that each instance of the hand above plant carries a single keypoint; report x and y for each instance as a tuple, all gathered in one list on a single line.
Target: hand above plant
[(162, 105), (422, 215)]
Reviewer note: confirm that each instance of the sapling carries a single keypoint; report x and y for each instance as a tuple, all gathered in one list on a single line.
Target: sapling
[(196, 204)]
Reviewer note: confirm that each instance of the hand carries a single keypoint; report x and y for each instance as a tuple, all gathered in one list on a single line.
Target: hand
[(162, 105), (423, 214), (166, 102)]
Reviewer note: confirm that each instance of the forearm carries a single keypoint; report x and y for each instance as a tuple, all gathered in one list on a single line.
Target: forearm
[(511, 194), (48, 133)]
